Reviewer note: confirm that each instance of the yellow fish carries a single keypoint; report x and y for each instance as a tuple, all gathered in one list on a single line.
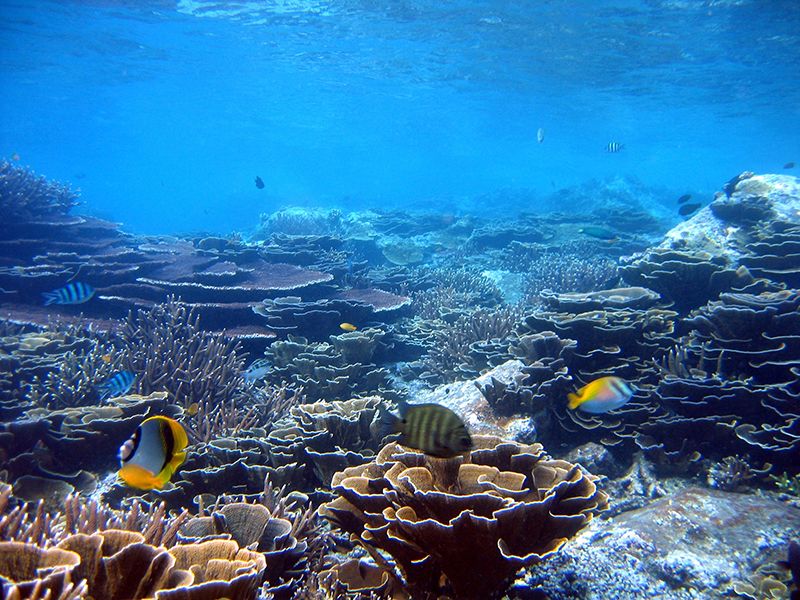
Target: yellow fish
[(192, 409), (106, 358), (153, 453), (347, 326), (601, 396)]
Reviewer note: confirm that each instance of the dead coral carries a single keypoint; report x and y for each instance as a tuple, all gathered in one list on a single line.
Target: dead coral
[(463, 527)]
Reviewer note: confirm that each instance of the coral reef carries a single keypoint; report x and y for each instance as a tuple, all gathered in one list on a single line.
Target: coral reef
[(230, 550), (458, 526), (168, 351), (694, 543), (339, 369), (26, 197)]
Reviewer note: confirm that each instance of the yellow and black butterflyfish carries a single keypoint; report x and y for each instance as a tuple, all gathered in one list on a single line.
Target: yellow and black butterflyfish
[(153, 453)]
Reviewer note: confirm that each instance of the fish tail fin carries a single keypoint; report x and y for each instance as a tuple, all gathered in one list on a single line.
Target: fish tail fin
[(49, 298), (386, 423), (573, 401), (164, 476)]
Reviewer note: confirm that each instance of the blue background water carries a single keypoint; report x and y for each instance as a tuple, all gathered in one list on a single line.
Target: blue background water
[(164, 113)]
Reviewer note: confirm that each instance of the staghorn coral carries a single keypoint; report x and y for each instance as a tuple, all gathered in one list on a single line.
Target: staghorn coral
[(169, 352), (24, 196), (31, 523), (462, 527), (575, 266), (167, 554), (470, 344)]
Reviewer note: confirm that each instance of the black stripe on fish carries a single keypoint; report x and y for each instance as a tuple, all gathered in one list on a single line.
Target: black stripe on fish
[(614, 147), (168, 438)]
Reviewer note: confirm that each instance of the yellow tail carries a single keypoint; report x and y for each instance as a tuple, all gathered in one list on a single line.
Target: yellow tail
[(574, 400)]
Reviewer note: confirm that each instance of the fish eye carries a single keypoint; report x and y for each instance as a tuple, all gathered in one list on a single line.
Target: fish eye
[(465, 441)]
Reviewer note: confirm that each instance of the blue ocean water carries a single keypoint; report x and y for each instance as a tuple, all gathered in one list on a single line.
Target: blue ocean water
[(163, 112)]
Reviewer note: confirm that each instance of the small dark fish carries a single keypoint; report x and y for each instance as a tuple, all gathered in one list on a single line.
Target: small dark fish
[(614, 147), (73, 293), (601, 233), (684, 198), (688, 209), (118, 385), (259, 183), (432, 428), (789, 165)]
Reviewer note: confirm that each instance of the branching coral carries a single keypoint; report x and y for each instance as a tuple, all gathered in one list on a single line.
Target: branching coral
[(571, 267), (168, 351), (462, 527), (472, 343), (24, 196), (146, 552)]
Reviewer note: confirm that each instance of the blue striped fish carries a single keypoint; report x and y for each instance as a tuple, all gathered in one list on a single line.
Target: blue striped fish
[(614, 147), (76, 292), (118, 385)]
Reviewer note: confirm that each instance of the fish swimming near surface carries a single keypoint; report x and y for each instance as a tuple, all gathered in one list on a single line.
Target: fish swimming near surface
[(540, 135), (153, 453), (684, 198), (789, 165), (347, 327), (76, 292), (614, 147), (258, 369), (601, 233), (688, 209), (432, 428), (118, 384), (601, 396), (259, 183)]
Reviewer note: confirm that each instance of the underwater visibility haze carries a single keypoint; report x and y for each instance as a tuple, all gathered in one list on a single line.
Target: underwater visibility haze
[(406, 300)]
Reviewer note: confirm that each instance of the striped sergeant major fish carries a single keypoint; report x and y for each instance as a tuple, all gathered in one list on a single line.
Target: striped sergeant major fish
[(432, 428), (153, 453), (76, 292), (614, 147), (117, 385)]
